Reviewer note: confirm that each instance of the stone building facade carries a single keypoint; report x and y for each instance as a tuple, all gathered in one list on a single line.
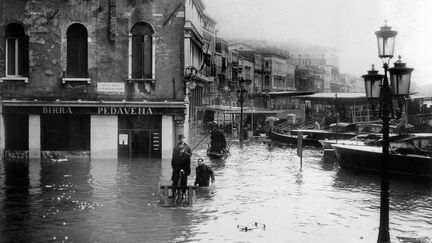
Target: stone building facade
[(103, 78)]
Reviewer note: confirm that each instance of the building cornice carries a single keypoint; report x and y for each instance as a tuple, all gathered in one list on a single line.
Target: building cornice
[(149, 104)]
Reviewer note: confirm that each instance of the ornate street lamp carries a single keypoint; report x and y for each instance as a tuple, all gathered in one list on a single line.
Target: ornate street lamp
[(190, 73), (241, 95), (378, 90)]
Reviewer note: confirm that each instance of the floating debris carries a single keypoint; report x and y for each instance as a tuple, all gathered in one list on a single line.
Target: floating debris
[(255, 225), (423, 239)]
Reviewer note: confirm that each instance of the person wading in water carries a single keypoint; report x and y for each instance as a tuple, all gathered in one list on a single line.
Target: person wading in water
[(203, 174), (180, 164)]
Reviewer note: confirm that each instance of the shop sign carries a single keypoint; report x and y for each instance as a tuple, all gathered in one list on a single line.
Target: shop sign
[(111, 87), (124, 111), (56, 110)]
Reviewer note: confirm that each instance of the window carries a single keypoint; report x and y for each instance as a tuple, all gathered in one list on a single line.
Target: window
[(267, 64), (17, 49), (267, 81), (142, 51), (77, 51)]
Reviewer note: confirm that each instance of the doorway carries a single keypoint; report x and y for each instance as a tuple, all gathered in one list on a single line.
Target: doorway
[(139, 143), (139, 137)]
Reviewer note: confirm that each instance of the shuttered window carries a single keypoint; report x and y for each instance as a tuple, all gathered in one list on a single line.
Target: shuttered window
[(142, 51), (77, 51), (17, 49)]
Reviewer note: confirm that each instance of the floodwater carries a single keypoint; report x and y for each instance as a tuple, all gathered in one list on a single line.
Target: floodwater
[(111, 201)]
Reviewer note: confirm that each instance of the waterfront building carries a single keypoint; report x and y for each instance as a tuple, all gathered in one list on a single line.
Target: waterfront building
[(100, 79), (198, 39), (222, 72), (324, 63), (209, 34)]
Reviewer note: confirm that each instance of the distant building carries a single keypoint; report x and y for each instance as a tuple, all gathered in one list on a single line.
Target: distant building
[(209, 94), (277, 67), (327, 63)]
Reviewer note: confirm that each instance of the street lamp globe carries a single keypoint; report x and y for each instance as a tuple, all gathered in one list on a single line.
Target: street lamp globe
[(241, 83), (400, 78), (386, 42), (373, 83)]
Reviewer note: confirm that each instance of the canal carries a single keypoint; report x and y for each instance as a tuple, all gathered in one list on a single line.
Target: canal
[(112, 201)]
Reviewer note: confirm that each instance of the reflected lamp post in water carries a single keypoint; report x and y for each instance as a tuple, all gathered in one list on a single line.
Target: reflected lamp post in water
[(381, 93), (241, 96)]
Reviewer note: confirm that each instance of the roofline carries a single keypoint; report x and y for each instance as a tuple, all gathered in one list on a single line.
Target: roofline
[(200, 5), (209, 18)]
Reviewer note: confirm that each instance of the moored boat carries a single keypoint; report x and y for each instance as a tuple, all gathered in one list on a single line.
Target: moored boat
[(292, 139), (310, 137), (410, 157), (367, 134)]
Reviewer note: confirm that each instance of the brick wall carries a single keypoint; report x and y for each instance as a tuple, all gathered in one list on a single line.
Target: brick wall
[(108, 23)]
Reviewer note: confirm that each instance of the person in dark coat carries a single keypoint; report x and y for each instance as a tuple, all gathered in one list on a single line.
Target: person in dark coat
[(180, 164), (203, 174), (218, 141)]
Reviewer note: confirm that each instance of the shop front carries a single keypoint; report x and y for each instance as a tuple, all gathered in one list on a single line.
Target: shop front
[(90, 129)]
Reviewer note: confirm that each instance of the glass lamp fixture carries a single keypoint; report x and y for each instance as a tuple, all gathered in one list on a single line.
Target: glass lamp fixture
[(400, 78), (386, 42), (373, 82)]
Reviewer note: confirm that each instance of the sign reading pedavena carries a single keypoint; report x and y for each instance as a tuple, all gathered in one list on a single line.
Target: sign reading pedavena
[(98, 110)]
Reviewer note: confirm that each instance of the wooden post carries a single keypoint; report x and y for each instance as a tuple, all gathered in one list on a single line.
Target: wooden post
[(300, 148), (190, 195)]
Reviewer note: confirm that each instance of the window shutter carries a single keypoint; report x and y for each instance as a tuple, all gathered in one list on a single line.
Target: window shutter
[(11, 56), (137, 56), (148, 49), (23, 56)]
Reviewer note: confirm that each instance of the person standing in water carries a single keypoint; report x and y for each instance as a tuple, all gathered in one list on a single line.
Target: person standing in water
[(203, 174), (180, 164)]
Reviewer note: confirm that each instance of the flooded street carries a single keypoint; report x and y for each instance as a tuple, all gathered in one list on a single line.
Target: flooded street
[(111, 201)]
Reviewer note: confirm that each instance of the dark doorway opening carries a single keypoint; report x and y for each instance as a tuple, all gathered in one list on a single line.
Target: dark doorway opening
[(65, 133), (139, 137), (17, 133)]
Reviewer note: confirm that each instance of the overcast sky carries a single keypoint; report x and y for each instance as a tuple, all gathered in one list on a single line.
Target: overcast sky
[(347, 25)]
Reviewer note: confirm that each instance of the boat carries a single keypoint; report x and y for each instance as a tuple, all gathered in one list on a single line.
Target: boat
[(311, 137), (217, 154), (357, 140), (292, 139), (409, 156), (367, 134)]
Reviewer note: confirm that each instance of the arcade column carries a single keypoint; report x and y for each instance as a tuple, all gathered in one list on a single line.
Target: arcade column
[(168, 136), (34, 136), (103, 136)]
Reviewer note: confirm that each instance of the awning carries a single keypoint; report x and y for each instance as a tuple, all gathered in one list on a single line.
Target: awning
[(237, 110)]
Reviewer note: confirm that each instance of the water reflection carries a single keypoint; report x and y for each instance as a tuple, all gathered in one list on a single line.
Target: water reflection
[(116, 201), (16, 220), (64, 200)]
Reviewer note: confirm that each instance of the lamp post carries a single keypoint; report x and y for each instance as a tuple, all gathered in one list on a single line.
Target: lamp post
[(241, 96), (190, 73), (379, 91)]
